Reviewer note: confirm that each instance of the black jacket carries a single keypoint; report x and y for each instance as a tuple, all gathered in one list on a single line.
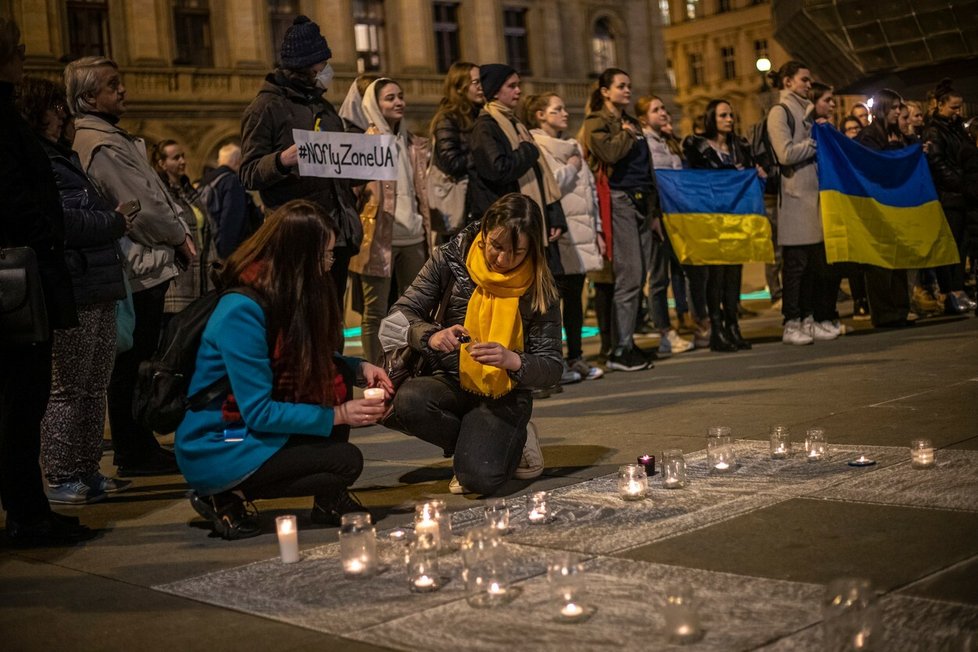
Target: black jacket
[(451, 155), (946, 152), (701, 156), (233, 214), (266, 130), (30, 210), (875, 136), (542, 361), (92, 231)]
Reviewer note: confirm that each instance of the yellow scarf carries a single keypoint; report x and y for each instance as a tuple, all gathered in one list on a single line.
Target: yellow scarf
[(493, 315)]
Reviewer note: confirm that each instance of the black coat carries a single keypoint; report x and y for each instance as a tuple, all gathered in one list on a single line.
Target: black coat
[(875, 136), (542, 361), (452, 155), (234, 216), (92, 231), (266, 131), (701, 156), (30, 210), (948, 143)]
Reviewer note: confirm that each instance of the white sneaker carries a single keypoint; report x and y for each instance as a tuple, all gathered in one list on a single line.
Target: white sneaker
[(823, 331), (531, 464), (676, 343), (796, 333), (455, 487)]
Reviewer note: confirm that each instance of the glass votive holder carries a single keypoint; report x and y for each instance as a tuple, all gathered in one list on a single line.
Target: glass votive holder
[(358, 545), (673, 469), (851, 618), (485, 570), (633, 483), (922, 455), (497, 515), (681, 616), (427, 523), (422, 569), (538, 507), (780, 442), (815, 444), (565, 575), (718, 431), (720, 455), (288, 538)]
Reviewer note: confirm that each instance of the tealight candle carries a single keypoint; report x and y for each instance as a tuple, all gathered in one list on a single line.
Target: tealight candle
[(422, 569), (673, 469), (633, 483), (374, 393), (565, 577), (537, 509), (780, 442), (814, 444), (497, 515), (358, 545), (682, 619), (862, 460), (571, 610), (288, 538), (922, 454), (720, 456)]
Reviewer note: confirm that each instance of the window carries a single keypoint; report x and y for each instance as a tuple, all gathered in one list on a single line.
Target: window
[(192, 29), (664, 10), (723, 6), (368, 26), (514, 33), (88, 28), (760, 49), (729, 63), (695, 69), (446, 34), (693, 9), (602, 47), (281, 13), (671, 73)]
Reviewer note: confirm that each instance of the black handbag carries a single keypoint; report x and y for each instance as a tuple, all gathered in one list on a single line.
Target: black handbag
[(23, 315)]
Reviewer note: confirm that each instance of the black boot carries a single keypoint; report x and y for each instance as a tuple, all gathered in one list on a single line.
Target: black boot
[(733, 332), (719, 338)]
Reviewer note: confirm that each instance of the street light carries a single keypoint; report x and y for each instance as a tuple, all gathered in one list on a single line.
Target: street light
[(763, 66)]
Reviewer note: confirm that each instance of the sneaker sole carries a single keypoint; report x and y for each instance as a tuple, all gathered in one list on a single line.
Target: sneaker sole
[(617, 366), (528, 474), (84, 501)]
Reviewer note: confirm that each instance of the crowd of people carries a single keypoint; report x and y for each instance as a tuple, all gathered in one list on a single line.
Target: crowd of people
[(124, 241)]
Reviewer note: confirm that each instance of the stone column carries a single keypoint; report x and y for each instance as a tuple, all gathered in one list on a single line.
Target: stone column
[(40, 29), (246, 33), (411, 36), (149, 26), (335, 20), (483, 29)]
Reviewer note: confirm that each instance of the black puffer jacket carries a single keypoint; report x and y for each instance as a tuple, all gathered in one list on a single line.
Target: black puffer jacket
[(947, 140), (701, 155), (542, 362), (452, 156), (266, 131), (92, 231)]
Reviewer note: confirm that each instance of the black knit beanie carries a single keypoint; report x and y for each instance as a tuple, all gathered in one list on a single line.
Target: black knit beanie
[(303, 45), (493, 76)]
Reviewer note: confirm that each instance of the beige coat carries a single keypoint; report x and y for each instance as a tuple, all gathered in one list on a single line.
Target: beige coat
[(799, 221), (376, 208)]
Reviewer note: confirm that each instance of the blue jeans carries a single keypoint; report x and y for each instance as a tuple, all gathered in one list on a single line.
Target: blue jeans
[(485, 434)]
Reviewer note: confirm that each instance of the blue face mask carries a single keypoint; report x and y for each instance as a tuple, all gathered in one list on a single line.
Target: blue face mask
[(325, 77)]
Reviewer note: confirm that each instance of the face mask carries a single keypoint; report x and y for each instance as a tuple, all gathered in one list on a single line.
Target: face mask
[(325, 77)]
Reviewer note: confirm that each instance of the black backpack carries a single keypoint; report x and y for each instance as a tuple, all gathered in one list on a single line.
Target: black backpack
[(760, 145), (160, 398)]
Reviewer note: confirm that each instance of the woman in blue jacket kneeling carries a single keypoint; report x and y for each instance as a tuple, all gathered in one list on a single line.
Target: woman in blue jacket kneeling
[(284, 428)]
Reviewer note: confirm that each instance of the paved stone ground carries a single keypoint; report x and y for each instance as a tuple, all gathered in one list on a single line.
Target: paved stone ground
[(757, 547)]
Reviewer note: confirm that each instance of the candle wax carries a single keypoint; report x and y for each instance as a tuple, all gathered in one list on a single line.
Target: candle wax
[(354, 566), (571, 610), (424, 582), (374, 393), (722, 466), (536, 516)]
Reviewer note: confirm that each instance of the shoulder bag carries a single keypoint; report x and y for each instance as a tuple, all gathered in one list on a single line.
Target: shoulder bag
[(23, 315)]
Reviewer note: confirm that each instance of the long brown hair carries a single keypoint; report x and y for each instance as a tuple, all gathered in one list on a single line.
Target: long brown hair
[(455, 102), (285, 261), (519, 214), (527, 112)]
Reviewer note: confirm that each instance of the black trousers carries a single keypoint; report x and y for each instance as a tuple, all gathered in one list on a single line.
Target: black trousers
[(133, 442), (889, 300), (571, 287), (604, 302), (809, 289), (486, 434), (25, 385), (723, 291), (340, 273), (950, 278)]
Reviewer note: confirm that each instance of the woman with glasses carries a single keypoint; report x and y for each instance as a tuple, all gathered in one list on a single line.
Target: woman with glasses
[(283, 428)]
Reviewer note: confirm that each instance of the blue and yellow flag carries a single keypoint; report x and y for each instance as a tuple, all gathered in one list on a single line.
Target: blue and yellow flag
[(715, 217), (879, 208)]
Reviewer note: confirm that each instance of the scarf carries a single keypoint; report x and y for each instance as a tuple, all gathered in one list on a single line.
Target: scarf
[(530, 184), (493, 315)]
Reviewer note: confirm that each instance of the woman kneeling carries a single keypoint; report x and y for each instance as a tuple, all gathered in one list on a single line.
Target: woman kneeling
[(499, 338), (283, 428)]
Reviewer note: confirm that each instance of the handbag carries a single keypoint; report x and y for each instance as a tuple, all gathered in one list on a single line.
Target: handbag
[(446, 200), (404, 362), (125, 319), (23, 315)]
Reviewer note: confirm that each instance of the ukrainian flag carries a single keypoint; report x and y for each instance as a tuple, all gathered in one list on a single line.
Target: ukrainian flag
[(715, 217), (881, 207)]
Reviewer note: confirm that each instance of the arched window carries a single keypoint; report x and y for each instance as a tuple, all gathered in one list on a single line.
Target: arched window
[(602, 46)]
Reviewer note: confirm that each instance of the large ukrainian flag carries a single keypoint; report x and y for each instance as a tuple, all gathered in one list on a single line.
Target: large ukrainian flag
[(715, 217), (879, 208)]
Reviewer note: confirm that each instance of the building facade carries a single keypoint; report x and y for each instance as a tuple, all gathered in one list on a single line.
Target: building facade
[(191, 66)]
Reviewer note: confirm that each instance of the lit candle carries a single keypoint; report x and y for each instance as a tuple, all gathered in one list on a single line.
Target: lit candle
[(672, 482), (354, 566), (288, 538), (374, 394), (635, 487), (922, 454), (648, 461), (813, 454), (571, 610), (428, 528), (536, 516), (495, 589), (424, 582), (721, 466)]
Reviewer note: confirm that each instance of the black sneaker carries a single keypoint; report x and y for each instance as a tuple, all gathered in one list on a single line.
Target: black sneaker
[(627, 360), (49, 530), (228, 514), (329, 511)]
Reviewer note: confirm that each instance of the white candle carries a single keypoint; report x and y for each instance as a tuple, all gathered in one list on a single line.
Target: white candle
[(430, 527), (374, 393), (721, 466), (495, 589), (288, 539), (536, 516), (571, 610), (635, 488), (354, 566), (813, 454), (424, 582), (671, 482)]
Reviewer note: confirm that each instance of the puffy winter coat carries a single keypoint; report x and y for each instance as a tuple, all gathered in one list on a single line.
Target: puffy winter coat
[(947, 140)]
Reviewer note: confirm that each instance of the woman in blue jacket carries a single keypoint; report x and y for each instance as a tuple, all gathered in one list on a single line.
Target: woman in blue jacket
[(284, 428)]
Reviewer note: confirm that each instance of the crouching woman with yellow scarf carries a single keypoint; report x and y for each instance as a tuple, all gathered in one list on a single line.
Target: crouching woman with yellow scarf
[(500, 337)]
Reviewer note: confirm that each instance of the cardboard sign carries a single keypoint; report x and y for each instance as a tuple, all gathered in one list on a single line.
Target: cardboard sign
[(346, 156)]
